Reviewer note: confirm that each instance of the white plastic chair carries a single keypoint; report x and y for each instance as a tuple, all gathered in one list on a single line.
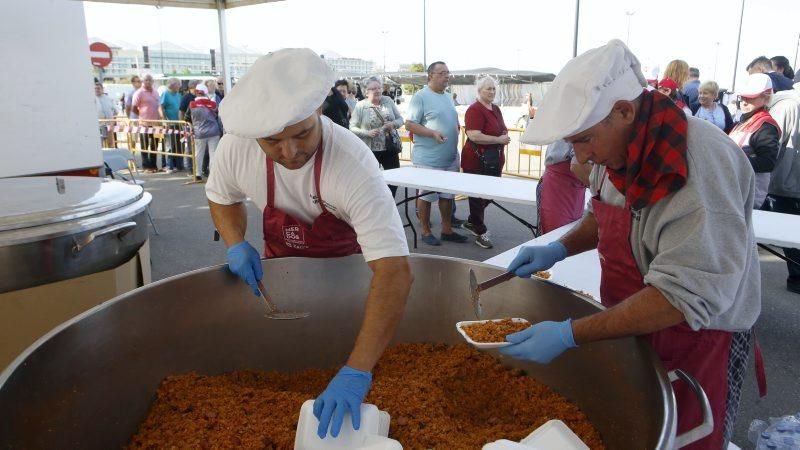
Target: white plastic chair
[(118, 160)]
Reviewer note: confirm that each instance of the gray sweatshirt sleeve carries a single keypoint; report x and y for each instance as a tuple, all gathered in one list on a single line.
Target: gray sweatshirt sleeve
[(699, 263)]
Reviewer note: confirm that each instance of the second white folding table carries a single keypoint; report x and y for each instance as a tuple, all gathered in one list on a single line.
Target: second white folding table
[(494, 189)]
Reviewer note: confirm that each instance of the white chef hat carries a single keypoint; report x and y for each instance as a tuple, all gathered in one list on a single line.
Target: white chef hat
[(584, 92), (280, 89)]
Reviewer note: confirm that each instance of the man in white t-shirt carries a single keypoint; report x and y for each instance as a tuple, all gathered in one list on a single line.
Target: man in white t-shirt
[(322, 195)]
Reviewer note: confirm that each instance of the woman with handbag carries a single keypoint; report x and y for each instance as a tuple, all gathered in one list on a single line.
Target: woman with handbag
[(375, 120), (483, 151)]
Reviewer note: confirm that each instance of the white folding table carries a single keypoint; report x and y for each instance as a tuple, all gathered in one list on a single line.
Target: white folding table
[(506, 189), (582, 272), (579, 272), (778, 229)]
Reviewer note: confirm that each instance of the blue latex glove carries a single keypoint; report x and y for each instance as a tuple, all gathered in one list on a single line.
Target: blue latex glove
[(542, 342), (345, 392), (244, 261), (533, 259)]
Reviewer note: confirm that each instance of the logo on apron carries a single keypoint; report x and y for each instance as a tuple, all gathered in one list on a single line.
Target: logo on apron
[(293, 236)]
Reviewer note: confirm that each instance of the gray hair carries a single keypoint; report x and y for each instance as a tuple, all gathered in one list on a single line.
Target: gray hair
[(480, 82), (373, 79), (172, 81), (709, 86)]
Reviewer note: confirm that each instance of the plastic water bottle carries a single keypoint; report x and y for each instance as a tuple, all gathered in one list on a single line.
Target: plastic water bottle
[(755, 429), (781, 433)]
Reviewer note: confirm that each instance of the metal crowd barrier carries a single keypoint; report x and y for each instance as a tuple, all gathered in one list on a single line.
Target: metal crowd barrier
[(522, 160), (145, 136)]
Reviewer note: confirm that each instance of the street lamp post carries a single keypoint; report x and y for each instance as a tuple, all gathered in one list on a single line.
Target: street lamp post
[(384, 33), (575, 30), (424, 35), (628, 38)]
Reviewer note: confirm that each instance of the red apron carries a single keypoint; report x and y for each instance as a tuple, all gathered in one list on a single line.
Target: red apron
[(679, 347), (561, 198), (284, 235)]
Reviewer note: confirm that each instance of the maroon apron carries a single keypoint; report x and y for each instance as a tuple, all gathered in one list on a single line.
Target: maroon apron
[(561, 199), (284, 235), (679, 347)]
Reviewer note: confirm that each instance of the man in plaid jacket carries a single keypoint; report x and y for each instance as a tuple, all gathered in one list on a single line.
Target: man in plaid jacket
[(671, 220)]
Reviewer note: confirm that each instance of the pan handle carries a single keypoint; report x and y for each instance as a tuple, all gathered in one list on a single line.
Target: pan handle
[(496, 280), (705, 428), (123, 228)]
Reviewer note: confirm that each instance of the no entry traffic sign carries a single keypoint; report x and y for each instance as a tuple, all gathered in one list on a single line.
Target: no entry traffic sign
[(100, 53)]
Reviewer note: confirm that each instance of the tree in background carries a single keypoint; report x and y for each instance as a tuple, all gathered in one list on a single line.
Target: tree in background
[(410, 89)]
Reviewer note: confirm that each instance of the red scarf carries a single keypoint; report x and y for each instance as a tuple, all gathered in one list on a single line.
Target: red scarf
[(656, 164)]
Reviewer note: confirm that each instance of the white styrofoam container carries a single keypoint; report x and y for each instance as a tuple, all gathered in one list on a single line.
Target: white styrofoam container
[(552, 435), (505, 444), (459, 326), (372, 435)]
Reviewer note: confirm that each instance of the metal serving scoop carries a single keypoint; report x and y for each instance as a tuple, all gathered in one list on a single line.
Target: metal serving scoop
[(274, 313), (475, 289)]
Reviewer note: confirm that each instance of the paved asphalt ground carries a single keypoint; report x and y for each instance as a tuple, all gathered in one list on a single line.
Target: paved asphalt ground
[(185, 243)]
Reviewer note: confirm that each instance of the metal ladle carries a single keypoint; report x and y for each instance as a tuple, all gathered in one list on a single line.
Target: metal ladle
[(274, 313), (475, 288)]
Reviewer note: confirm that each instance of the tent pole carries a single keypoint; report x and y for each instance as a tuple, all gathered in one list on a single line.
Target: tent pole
[(223, 45)]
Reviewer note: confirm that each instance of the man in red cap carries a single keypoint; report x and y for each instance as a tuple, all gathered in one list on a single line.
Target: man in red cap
[(669, 87)]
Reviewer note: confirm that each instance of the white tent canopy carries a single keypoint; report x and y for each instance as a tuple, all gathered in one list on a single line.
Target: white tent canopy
[(202, 4)]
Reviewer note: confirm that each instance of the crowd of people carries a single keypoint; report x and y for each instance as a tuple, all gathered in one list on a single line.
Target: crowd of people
[(196, 102), (761, 125)]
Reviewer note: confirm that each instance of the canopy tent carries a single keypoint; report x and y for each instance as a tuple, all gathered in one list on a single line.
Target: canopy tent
[(219, 5), (201, 4)]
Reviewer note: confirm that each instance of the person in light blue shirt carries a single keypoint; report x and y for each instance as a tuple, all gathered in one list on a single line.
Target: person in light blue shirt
[(434, 121), (170, 103), (711, 111)]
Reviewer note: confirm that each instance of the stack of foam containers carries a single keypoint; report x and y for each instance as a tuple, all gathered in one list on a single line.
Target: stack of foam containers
[(374, 431), (554, 434), (371, 435)]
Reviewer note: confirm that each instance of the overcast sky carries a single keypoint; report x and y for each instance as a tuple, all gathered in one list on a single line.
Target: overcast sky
[(509, 34)]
